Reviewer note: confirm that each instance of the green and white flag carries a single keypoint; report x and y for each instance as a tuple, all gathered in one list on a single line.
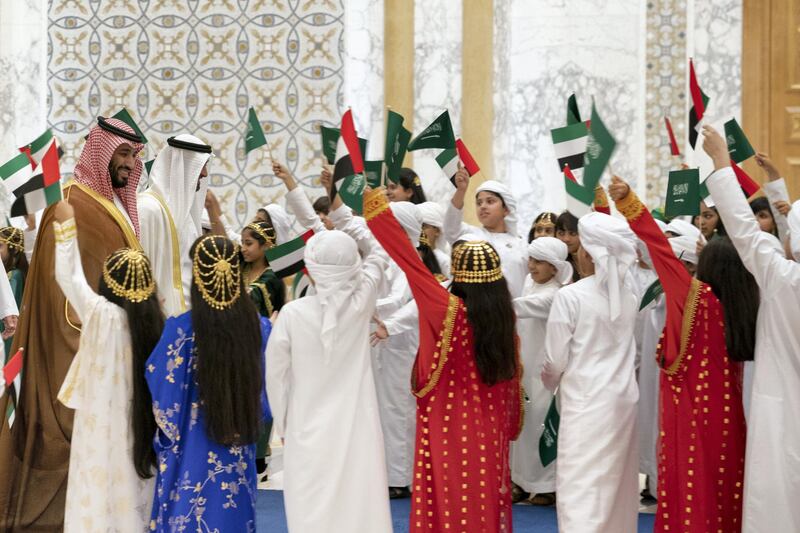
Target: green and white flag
[(300, 285), (548, 442), (569, 143), (373, 170), (683, 193), (38, 147), (438, 135), (287, 259), (653, 291), (397, 139), (16, 172), (254, 138), (599, 147), (330, 137), (352, 192), (573, 113), (126, 117), (739, 147)]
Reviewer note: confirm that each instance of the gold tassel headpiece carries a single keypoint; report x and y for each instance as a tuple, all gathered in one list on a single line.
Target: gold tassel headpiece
[(476, 262), (267, 234), (138, 283), (218, 281), (13, 238), (423, 239)]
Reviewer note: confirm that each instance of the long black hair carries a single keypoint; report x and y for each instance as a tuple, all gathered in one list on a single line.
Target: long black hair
[(145, 322), (429, 258), (408, 179), (490, 311), (546, 217), (721, 268), (230, 374)]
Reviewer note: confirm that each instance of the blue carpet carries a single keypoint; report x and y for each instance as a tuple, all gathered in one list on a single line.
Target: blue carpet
[(272, 519)]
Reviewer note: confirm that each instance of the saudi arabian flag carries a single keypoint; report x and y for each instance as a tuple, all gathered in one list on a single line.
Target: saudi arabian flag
[(300, 285), (653, 291), (599, 147), (739, 147), (373, 170), (548, 442), (573, 113), (287, 259), (397, 139), (11, 382), (330, 137), (683, 193), (254, 138), (569, 144), (438, 135), (126, 117), (16, 172)]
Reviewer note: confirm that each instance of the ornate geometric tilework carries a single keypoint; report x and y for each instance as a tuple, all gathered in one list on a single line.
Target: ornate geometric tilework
[(665, 71), (197, 66)]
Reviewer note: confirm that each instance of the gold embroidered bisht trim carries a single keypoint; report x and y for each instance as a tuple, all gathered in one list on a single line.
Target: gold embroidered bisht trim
[(600, 198), (66, 231), (177, 280), (630, 206), (375, 203), (127, 230), (443, 346), (689, 312)]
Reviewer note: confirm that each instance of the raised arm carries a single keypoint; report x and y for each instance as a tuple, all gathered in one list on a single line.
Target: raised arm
[(454, 226), (297, 200), (69, 270), (776, 192)]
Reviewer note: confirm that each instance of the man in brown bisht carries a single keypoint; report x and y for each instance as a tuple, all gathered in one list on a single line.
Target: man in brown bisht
[(34, 451)]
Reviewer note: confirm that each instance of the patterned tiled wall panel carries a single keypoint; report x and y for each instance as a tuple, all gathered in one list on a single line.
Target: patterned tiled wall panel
[(197, 66)]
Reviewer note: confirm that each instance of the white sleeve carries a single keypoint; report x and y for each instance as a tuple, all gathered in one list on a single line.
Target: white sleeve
[(69, 270), (534, 306), (30, 242), (776, 191), (8, 305), (279, 365), (298, 202), (404, 319), (560, 329), (454, 226), (758, 254)]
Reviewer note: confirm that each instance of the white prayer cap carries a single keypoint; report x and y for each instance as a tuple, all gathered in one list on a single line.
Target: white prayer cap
[(432, 214), (332, 260), (409, 217), (681, 227), (174, 176), (281, 222), (794, 230), (612, 246), (555, 252), (685, 248), (505, 193)]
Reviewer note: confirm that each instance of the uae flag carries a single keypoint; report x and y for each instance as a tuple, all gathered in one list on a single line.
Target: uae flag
[(569, 143), (42, 189), (579, 198), (37, 149), (16, 172), (287, 259), (300, 285), (349, 165), (699, 104), (673, 144), (12, 383), (449, 159)]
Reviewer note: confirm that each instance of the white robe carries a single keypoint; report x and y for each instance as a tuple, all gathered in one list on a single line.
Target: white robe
[(104, 493), (598, 462), (334, 470), (513, 250), (532, 309), (772, 459)]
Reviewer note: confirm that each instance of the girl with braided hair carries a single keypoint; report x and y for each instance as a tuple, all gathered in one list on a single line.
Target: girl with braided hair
[(105, 385), (206, 377)]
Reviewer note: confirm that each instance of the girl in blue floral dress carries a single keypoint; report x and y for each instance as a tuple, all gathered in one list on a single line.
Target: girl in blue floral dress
[(206, 376)]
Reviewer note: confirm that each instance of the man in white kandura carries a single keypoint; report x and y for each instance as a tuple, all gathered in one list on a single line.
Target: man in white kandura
[(170, 215), (322, 394), (772, 460), (590, 358)]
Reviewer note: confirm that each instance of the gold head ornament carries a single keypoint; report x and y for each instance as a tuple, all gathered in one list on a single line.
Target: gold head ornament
[(545, 220), (137, 283), (476, 262), (218, 276), (268, 234), (423, 239), (13, 238)]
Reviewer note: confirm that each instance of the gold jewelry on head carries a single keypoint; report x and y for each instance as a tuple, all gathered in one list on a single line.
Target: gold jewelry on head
[(545, 221), (417, 182), (220, 280), (13, 238), (261, 232), (138, 283), (423, 239), (476, 262)]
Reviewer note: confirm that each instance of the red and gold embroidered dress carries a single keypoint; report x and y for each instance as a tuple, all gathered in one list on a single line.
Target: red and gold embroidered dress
[(462, 479), (702, 426)]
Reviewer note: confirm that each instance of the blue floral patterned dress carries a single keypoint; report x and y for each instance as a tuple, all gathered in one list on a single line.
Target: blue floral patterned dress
[(202, 486)]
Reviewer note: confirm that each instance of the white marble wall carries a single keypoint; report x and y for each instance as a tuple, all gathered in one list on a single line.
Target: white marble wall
[(545, 51), (437, 82), (23, 87), (363, 62)]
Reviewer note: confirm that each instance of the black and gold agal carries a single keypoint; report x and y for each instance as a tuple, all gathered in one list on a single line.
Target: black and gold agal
[(137, 283), (476, 262), (217, 275)]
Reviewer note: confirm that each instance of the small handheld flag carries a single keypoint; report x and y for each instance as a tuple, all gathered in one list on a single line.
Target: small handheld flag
[(579, 198), (330, 137), (548, 442), (569, 143), (300, 285), (438, 135), (699, 104), (397, 139), (599, 147), (255, 138), (448, 160), (683, 193), (653, 291), (287, 259), (573, 113), (16, 172), (739, 147), (673, 144)]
